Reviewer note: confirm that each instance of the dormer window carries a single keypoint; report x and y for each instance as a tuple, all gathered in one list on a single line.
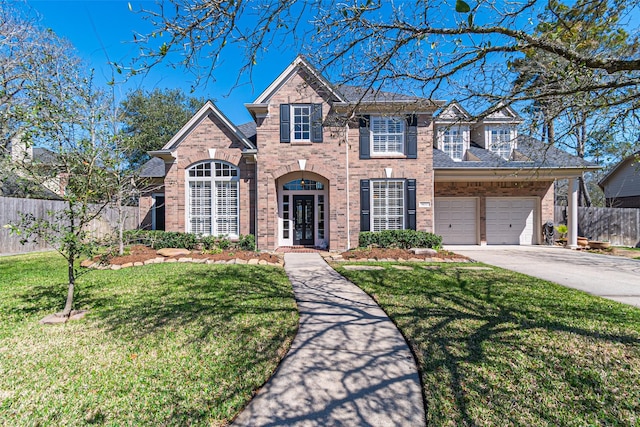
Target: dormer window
[(500, 140), (387, 135), (451, 140)]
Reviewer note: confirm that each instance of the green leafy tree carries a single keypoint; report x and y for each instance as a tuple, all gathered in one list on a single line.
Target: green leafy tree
[(59, 107), (569, 112), (152, 118)]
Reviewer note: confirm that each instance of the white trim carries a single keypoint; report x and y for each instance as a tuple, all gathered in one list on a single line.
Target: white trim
[(291, 193), (386, 119), (463, 130), (461, 118), (512, 138), (153, 209), (299, 62), (372, 208), (292, 122), (213, 180), (197, 118)]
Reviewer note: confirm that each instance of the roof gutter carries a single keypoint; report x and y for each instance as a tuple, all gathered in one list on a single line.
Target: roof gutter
[(509, 174)]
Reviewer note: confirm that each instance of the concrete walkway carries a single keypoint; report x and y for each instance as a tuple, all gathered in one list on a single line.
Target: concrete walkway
[(608, 276), (348, 364)]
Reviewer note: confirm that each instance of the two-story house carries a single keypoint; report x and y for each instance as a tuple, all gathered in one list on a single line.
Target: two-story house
[(320, 163)]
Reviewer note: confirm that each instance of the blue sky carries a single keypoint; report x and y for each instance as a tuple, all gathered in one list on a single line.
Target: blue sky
[(102, 32)]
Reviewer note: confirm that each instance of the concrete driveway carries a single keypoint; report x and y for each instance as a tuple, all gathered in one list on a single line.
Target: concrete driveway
[(607, 276)]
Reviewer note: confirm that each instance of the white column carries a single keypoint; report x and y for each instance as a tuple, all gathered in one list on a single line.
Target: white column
[(572, 216)]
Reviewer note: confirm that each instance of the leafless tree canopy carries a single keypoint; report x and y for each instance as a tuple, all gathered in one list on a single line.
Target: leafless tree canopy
[(423, 45)]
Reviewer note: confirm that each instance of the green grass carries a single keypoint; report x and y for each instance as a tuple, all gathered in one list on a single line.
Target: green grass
[(497, 348), (169, 344)]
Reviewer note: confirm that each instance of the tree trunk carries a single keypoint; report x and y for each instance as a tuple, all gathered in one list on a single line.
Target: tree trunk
[(71, 258), (584, 193), (72, 284), (121, 218)]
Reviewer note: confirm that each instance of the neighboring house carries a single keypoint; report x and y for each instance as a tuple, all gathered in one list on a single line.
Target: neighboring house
[(621, 185), (320, 163), (20, 185)]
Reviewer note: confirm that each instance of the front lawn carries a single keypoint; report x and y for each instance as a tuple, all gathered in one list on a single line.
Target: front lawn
[(169, 344), (497, 348)]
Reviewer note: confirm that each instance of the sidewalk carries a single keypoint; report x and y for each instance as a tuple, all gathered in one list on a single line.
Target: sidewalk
[(348, 364)]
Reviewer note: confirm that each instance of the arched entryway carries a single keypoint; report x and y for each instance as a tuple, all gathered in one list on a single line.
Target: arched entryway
[(303, 206)]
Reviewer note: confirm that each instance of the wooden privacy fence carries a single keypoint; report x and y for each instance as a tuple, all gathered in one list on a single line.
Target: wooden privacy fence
[(11, 207), (620, 226)]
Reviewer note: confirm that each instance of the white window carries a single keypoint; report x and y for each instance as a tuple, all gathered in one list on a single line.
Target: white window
[(388, 205), (387, 135), (500, 141), (452, 142), (213, 199), (301, 122)]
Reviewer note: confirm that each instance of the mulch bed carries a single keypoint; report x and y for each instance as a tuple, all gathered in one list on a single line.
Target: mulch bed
[(140, 253), (399, 254)]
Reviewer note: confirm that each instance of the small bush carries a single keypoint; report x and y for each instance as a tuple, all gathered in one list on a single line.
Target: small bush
[(247, 243), (403, 239)]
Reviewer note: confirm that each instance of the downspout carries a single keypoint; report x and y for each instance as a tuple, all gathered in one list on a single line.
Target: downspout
[(255, 206), (346, 145)]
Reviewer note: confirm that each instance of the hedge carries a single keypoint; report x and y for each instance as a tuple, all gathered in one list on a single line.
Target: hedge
[(158, 239), (403, 239)]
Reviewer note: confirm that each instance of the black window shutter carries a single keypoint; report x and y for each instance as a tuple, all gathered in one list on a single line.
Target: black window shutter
[(316, 123), (412, 137), (365, 218), (365, 143), (285, 123), (411, 204)]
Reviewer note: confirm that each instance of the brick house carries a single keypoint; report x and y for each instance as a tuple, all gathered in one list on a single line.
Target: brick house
[(320, 163)]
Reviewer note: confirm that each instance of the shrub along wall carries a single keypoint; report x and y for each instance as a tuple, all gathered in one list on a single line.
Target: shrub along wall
[(403, 239), (157, 239)]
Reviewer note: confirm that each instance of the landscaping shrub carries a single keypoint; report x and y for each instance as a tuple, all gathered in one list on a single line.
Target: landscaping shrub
[(158, 239), (403, 239), (247, 243)]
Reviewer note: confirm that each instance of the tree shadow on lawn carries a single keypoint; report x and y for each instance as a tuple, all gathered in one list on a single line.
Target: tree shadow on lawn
[(194, 297), (473, 330)]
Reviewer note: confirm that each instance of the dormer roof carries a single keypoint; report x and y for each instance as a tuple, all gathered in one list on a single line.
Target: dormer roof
[(453, 113), (501, 114)]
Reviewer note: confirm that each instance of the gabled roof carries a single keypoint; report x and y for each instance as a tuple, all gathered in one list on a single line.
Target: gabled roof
[(453, 113), (299, 63), (207, 109), (501, 113), (621, 165)]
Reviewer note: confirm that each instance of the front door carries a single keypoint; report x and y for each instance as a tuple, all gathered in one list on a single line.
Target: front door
[(303, 220)]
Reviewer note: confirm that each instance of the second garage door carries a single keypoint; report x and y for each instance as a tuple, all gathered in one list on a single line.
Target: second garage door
[(455, 220), (510, 221)]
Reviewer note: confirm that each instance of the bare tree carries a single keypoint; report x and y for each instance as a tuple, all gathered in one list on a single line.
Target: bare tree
[(424, 43)]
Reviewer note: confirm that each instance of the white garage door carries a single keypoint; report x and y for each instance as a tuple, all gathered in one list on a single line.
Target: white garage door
[(456, 219), (510, 221)]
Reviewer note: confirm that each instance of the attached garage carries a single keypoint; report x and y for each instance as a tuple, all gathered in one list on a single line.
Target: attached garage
[(456, 220), (511, 221)]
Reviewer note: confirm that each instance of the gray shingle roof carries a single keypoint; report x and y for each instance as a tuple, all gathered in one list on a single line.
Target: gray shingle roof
[(249, 131), (531, 153), (154, 168), (355, 94), (44, 155)]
